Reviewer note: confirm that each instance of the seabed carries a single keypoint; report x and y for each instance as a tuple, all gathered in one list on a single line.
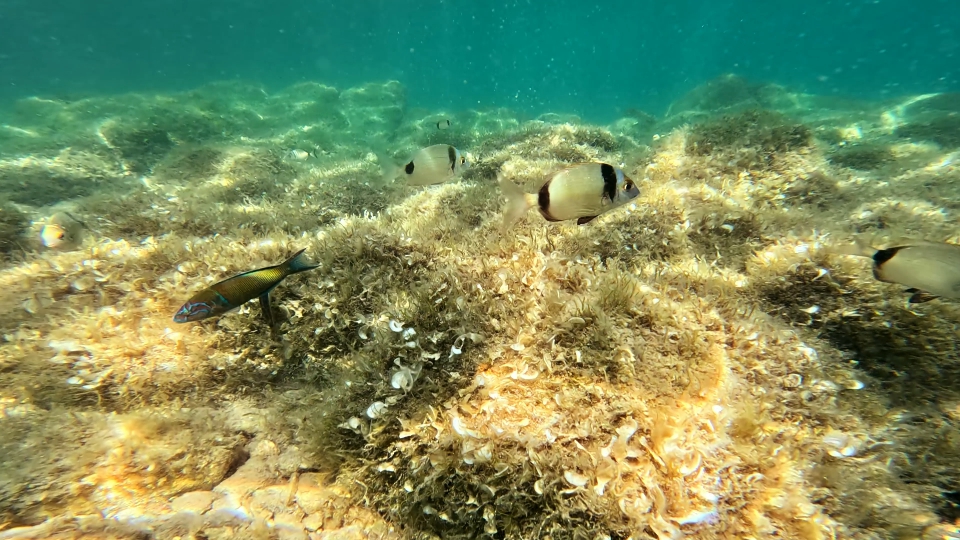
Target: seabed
[(695, 364)]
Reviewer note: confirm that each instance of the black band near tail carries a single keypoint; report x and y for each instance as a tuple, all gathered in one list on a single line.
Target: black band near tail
[(543, 198), (609, 180)]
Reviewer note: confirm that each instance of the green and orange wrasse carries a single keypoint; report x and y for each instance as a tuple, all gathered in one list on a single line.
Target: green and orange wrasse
[(233, 292)]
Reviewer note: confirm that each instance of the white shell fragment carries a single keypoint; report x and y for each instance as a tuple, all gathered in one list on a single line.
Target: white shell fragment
[(841, 445), (811, 310), (854, 384), (407, 333), (457, 347), (396, 325), (376, 409), (404, 377), (575, 479), (793, 380)]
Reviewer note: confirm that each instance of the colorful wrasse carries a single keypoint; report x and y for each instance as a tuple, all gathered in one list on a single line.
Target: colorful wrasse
[(582, 192), (232, 292)]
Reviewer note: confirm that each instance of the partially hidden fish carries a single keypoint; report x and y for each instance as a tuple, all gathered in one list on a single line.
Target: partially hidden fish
[(62, 231), (443, 124), (430, 166), (582, 192), (929, 270), (233, 292), (301, 155)]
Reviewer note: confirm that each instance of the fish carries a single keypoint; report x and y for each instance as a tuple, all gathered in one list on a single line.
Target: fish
[(581, 191), (62, 231), (930, 270), (430, 166), (233, 292), (443, 124), (298, 154)]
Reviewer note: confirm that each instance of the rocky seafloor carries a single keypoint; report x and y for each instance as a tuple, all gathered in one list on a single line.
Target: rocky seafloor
[(694, 364)]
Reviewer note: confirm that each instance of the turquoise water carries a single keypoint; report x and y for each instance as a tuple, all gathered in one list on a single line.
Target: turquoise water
[(592, 59)]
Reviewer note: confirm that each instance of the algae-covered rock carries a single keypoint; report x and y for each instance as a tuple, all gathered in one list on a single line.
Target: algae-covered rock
[(694, 363), (941, 129), (69, 175), (13, 223), (374, 111), (307, 103), (766, 131), (863, 157), (729, 92)]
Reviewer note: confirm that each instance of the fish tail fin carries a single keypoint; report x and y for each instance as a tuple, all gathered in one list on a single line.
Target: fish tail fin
[(518, 202), (859, 248), (389, 170), (298, 263)]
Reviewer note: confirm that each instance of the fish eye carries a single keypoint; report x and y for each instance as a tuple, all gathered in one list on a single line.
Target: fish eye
[(463, 160), (627, 186)]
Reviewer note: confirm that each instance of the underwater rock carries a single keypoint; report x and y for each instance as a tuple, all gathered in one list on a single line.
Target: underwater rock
[(68, 175), (864, 157), (689, 364), (728, 92), (13, 223), (765, 131), (307, 103), (375, 110)]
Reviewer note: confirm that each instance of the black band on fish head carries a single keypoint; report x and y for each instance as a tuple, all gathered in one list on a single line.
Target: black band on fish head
[(452, 154), (884, 255), (609, 181), (409, 168)]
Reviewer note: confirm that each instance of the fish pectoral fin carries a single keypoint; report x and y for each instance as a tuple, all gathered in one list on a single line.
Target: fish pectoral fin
[(585, 219), (920, 297), (265, 308)]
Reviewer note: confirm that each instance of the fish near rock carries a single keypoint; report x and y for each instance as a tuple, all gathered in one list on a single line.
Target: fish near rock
[(62, 232), (430, 166), (582, 192), (929, 269), (233, 292)]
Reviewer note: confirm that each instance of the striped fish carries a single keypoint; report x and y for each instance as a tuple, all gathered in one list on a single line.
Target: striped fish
[(581, 191), (930, 269), (428, 166), (233, 292)]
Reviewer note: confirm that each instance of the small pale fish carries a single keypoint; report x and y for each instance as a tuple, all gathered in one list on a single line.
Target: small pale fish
[(301, 155), (443, 124), (581, 192), (62, 231), (233, 292), (929, 270), (431, 165)]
